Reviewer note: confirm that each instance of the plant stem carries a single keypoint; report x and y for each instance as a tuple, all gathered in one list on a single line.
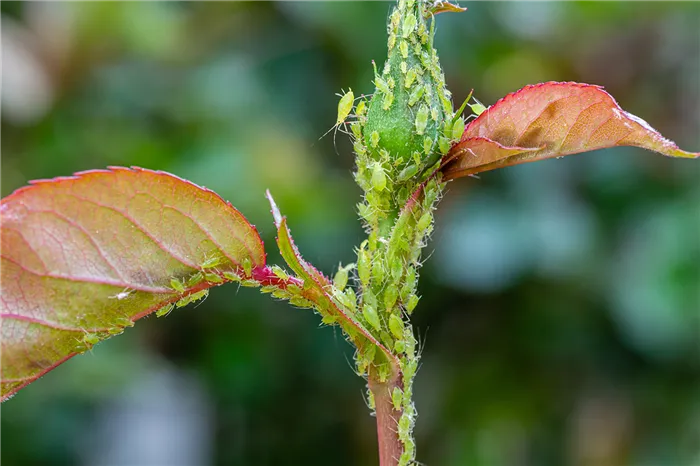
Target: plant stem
[(390, 447)]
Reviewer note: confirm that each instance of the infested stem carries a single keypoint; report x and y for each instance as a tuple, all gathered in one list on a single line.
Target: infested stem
[(390, 447)]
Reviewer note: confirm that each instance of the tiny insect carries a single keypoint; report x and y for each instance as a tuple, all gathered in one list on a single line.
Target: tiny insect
[(165, 310), (340, 280), (478, 108), (371, 316), (416, 95), (177, 285), (247, 267), (122, 294), (411, 303), (391, 294), (378, 177), (211, 262), (364, 267), (195, 279), (91, 339), (422, 119), (396, 398), (231, 276), (213, 278), (396, 325)]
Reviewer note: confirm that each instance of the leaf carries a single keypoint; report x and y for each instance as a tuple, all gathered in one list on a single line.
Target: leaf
[(550, 120), (85, 256), (320, 286)]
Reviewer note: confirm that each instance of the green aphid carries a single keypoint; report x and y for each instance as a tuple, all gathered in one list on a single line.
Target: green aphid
[(391, 294), (396, 326), (364, 266), (403, 48), (374, 139), (268, 289), (371, 316), (213, 278), (115, 330), (345, 106), (183, 301), (177, 285), (351, 298), (411, 303), (427, 145), (250, 283), (199, 295), (411, 76), (404, 427), (407, 173), (409, 24), (388, 100), (399, 346), (424, 222), (356, 129), (165, 310), (298, 301), (397, 398), (212, 262), (361, 109), (124, 322), (370, 400), (340, 281), (280, 273), (478, 108), (293, 289), (247, 267), (458, 128), (90, 339), (281, 294), (378, 177), (329, 320), (382, 86), (195, 279), (422, 119), (416, 94), (232, 276)]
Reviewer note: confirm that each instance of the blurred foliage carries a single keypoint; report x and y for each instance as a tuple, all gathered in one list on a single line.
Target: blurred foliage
[(561, 306)]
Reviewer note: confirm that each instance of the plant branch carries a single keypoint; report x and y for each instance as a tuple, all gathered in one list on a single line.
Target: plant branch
[(390, 447)]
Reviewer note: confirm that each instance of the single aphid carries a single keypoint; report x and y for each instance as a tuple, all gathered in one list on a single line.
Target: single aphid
[(247, 267), (211, 262), (378, 177), (90, 339), (397, 398), (177, 285), (422, 119), (371, 316), (195, 279), (396, 325), (213, 278), (125, 293), (478, 108), (232, 276), (165, 310), (340, 280)]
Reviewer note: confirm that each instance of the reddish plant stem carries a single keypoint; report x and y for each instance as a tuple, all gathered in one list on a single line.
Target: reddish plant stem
[(390, 447)]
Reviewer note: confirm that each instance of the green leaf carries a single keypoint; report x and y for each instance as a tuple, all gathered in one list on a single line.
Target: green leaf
[(85, 256), (550, 120)]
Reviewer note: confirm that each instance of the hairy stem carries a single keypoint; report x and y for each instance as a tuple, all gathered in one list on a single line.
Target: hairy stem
[(390, 447)]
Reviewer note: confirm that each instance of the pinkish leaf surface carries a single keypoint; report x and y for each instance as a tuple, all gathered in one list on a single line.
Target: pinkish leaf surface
[(550, 120), (85, 256)]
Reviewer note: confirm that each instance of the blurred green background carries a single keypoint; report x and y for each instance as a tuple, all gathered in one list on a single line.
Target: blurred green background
[(561, 301)]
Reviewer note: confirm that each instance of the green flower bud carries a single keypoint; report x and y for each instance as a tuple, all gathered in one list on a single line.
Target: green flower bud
[(407, 115)]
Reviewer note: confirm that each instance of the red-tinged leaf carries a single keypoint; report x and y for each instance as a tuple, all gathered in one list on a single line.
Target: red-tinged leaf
[(85, 256), (550, 120), (318, 288)]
